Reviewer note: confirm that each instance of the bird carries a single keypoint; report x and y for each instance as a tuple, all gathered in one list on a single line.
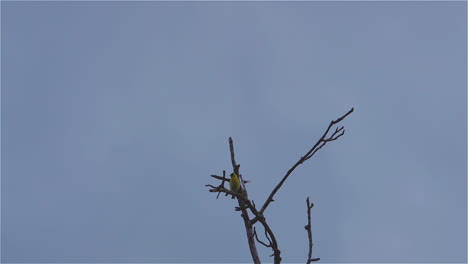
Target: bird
[(234, 183)]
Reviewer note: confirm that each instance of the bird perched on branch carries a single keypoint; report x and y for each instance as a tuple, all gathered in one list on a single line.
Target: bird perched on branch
[(234, 183)]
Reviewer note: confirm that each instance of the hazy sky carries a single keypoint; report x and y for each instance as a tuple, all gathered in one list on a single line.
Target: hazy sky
[(114, 114)]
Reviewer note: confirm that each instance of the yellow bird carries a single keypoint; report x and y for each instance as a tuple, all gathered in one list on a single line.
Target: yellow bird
[(234, 183)]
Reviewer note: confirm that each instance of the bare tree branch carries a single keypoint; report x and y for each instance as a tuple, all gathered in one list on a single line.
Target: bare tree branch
[(222, 183), (259, 241), (271, 237), (243, 204), (320, 143), (308, 227), (235, 166), (247, 203)]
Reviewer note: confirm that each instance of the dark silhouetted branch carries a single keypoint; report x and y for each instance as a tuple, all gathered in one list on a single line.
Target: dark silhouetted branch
[(320, 143), (243, 204), (308, 227), (261, 242), (222, 183)]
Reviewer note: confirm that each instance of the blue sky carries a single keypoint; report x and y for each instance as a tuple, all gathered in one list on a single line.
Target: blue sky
[(114, 114)]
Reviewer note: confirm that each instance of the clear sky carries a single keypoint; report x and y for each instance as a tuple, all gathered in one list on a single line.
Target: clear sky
[(114, 114)]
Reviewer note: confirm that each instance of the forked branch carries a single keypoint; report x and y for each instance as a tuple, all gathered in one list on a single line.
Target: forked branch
[(258, 215), (320, 143)]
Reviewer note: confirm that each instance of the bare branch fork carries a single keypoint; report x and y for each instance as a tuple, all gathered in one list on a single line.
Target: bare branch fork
[(245, 204), (320, 143)]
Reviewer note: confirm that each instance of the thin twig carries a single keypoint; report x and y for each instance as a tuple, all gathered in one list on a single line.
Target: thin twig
[(235, 166), (222, 183), (259, 241), (318, 145), (272, 239), (308, 227)]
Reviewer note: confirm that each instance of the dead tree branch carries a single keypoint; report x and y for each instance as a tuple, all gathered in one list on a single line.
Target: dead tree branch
[(261, 242), (320, 143), (308, 227), (222, 183), (245, 204)]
